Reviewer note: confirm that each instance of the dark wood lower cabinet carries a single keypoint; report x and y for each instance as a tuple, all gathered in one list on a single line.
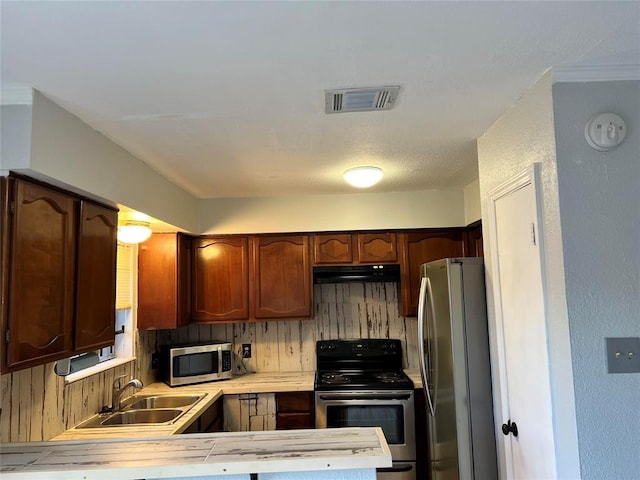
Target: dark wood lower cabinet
[(209, 421), (295, 410)]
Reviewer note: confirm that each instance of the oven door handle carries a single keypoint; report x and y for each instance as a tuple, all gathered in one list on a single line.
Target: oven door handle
[(358, 396), (395, 469)]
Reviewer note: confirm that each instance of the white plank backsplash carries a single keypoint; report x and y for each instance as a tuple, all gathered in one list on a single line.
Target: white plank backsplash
[(36, 404), (346, 310)]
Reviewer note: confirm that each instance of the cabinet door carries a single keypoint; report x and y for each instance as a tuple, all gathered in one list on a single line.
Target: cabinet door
[(221, 279), (282, 277), (212, 419), (209, 421), (41, 275), (474, 246), (164, 281), (332, 248), (96, 278), (295, 410), (419, 248), (377, 248)]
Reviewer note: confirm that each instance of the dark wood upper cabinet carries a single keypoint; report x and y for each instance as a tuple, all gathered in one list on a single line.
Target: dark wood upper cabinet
[(96, 277), (422, 247), (58, 275), (282, 277), (474, 245), (41, 274), (221, 279), (164, 281), (354, 248), (377, 248), (333, 248)]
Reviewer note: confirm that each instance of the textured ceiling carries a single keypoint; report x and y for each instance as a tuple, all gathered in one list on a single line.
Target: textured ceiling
[(226, 99)]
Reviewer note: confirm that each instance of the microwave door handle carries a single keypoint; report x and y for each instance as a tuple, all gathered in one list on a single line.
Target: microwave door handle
[(219, 361)]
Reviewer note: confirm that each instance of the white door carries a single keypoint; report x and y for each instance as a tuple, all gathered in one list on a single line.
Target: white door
[(520, 315)]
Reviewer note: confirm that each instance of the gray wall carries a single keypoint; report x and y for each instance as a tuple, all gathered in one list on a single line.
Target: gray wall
[(15, 136), (600, 210)]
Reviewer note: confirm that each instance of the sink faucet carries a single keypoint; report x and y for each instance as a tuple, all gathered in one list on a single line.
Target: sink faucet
[(116, 392)]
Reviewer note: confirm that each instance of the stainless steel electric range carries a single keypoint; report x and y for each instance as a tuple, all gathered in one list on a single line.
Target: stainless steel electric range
[(360, 383)]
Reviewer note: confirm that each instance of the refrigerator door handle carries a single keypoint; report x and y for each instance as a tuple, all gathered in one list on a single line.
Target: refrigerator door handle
[(422, 299), (434, 342)]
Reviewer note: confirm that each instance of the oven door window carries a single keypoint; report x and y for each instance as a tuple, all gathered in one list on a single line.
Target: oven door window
[(195, 364), (389, 417)]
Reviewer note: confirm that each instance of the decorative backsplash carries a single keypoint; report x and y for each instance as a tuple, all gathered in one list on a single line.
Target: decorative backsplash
[(36, 404), (345, 310)]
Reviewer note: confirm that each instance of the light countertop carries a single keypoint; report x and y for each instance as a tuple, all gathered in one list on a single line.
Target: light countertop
[(252, 383), (414, 375), (249, 383), (207, 454)]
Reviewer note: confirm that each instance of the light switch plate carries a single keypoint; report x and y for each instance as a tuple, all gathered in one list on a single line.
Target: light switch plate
[(623, 354)]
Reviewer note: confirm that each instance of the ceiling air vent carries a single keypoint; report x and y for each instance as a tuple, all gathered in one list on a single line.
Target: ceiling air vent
[(360, 99)]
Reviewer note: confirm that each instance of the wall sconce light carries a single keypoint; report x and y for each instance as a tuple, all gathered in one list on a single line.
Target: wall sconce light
[(363, 177), (134, 231)]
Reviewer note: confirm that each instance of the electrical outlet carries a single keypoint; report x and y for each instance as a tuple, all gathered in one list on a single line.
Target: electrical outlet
[(623, 355), (155, 360), (246, 350)]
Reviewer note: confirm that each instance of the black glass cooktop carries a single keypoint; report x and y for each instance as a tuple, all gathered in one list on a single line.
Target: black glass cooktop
[(360, 364), (362, 380)]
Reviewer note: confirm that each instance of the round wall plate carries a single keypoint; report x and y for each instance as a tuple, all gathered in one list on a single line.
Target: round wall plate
[(605, 131)]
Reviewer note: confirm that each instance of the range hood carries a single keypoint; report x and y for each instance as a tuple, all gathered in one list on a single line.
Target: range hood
[(356, 273)]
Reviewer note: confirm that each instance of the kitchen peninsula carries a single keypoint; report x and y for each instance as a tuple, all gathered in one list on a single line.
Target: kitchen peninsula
[(339, 454)]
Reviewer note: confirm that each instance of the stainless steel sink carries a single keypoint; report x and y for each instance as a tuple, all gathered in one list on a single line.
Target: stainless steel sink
[(145, 410), (131, 417), (161, 401)]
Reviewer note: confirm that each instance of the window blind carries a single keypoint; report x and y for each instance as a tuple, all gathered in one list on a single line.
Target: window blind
[(124, 276)]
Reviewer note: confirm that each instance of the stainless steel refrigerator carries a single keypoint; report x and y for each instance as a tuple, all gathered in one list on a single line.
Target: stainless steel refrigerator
[(454, 363)]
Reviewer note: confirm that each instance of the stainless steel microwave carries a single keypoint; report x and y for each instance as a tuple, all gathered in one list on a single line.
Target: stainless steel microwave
[(197, 363)]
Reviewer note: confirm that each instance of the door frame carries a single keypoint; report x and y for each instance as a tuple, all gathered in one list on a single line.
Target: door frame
[(530, 176)]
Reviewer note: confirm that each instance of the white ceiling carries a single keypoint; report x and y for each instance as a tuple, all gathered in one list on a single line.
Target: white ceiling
[(226, 99)]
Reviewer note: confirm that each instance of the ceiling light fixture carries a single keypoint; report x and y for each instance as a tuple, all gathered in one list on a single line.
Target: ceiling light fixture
[(363, 177), (133, 231)]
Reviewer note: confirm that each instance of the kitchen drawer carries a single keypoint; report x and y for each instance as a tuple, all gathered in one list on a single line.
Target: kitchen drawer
[(294, 421), (294, 402)]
